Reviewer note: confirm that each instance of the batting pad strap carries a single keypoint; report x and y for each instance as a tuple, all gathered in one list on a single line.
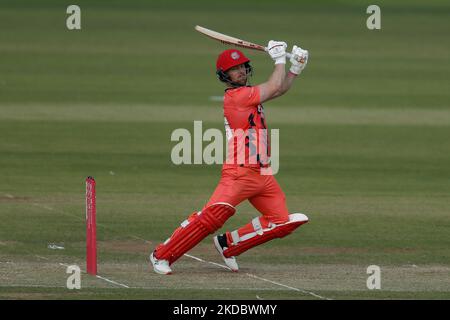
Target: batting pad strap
[(198, 226), (253, 239), (257, 226), (235, 237), (184, 223)]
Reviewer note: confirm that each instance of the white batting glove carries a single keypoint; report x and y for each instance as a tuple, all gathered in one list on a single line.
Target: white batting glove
[(277, 51), (298, 60)]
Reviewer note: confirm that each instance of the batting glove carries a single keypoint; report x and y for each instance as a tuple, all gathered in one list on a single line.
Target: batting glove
[(298, 60), (277, 51)]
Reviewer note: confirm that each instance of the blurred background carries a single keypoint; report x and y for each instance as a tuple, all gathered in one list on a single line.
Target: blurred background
[(363, 140)]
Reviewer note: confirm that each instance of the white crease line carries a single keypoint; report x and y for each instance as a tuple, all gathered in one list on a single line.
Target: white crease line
[(292, 288), (139, 238), (113, 282), (65, 265), (41, 257), (201, 260), (263, 279), (42, 206), (82, 218), (12, 285), (250, 275), (84, 271), (100, 277), (3, 285)]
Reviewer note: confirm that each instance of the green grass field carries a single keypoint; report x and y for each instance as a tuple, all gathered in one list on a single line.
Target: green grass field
[(364, 139)]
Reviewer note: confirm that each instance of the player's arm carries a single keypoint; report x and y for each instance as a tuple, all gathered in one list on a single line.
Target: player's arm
[(286, 85), (269, 89), (280, 82), (299, 59)]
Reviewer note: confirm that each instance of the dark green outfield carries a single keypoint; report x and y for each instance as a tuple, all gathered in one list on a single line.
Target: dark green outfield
[(363, 137)]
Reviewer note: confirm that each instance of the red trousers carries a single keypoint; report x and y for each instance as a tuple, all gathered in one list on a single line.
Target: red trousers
[(263, 191)]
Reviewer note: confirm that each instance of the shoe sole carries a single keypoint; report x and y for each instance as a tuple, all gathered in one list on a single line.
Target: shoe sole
[(156, 270), (219, 249)]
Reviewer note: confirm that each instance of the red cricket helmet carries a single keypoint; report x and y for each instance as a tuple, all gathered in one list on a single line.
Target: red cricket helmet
[(229, 59)]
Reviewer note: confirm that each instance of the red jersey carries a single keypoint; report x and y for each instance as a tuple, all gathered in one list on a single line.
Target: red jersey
[(245, 126)]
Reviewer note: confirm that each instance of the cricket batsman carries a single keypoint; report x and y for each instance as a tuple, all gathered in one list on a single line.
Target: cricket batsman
[(245, 171)]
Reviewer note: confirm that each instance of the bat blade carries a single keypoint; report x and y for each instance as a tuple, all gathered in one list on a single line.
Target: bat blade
[(232, 40), (229, 40)]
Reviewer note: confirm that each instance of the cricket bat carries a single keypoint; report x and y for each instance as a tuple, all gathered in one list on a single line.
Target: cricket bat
[(232, 40)]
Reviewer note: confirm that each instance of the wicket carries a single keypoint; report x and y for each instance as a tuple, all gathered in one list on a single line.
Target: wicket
[(91, 230)]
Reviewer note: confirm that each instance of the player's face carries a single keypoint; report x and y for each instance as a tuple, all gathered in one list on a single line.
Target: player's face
[(238, 74)]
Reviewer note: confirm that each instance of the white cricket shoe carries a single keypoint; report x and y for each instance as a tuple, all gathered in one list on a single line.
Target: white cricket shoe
[(160, 266), (220, 244)]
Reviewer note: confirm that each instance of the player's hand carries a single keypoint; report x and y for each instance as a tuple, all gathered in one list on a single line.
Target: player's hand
[(277, 51), (298, 60)]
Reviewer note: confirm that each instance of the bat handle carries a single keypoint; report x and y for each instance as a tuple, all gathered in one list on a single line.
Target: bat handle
[(288, 54)]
